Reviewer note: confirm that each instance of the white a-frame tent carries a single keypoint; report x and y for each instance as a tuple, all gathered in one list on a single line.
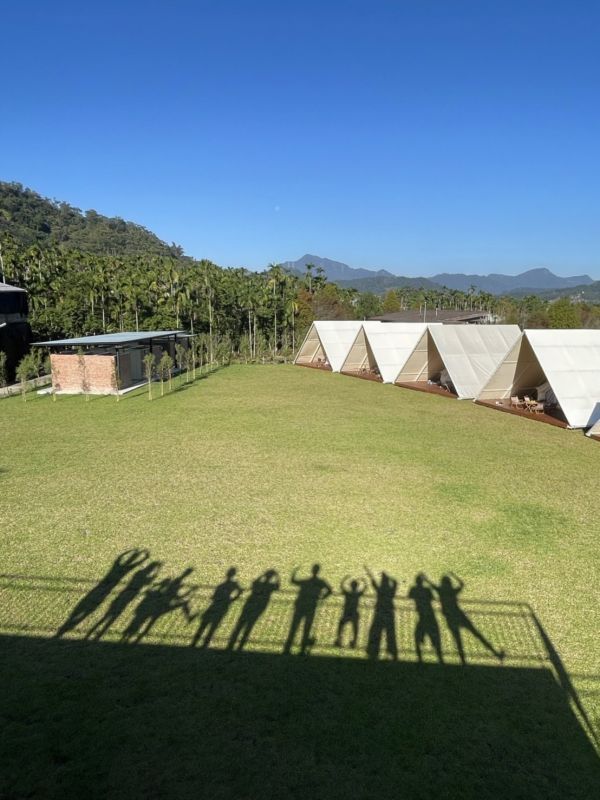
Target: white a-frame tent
[(558, 367), (380, 349), (327, 343), (594, 431), (460, 357)]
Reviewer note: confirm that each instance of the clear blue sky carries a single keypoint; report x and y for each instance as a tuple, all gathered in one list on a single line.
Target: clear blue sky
[(415, 135)]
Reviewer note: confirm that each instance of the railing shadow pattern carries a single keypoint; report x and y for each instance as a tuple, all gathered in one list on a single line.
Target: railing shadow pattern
[(39, 605), (509, 625)]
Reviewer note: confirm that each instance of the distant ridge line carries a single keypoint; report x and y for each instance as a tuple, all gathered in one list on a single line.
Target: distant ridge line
[(532, 280)]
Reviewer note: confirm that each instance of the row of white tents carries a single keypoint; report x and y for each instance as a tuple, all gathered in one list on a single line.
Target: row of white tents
[(486, 363)]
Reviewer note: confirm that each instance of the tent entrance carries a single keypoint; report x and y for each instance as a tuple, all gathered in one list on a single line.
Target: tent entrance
[(360, 361), (425, 370), (312, 354), (520, 386)]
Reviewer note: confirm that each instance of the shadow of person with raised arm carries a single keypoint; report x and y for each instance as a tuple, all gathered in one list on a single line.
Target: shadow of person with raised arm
[(352, 590), (127, 561), (311, 592), (456, 618), (224, 595), (384, 617), (427, 626), (138, 582), (162, 598), (254, 607)]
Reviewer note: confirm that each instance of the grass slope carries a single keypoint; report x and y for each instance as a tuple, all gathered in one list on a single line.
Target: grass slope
[(263, 467)]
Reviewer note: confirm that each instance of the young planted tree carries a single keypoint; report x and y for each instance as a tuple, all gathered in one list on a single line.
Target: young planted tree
[(85, 384), (201, 346), (165, 369), (180, 356), (190, 363), (37, 362), (25, 370), (194, 356), (116, 379), (149, 364)]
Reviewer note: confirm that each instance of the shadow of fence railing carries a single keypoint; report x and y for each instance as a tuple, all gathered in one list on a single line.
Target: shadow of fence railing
[(38, 606), (163, 719)]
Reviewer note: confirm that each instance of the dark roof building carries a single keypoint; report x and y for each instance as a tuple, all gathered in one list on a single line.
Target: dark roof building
[(108, 362), (15, 333), (435, 315)]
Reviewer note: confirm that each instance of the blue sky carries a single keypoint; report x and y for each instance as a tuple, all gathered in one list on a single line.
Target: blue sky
[(416, 135)]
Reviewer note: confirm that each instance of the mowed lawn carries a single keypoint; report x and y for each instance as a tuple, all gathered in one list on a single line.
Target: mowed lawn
[(263, 467)]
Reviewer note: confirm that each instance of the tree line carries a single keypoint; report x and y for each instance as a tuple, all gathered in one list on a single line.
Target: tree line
[(241, 314)]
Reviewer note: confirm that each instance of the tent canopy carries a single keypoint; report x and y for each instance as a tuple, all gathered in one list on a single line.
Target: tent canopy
[(468, 353), (568, 360), (328, 340), (383, 347)]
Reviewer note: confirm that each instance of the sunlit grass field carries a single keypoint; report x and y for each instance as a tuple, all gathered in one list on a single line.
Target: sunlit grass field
[(263, 467)]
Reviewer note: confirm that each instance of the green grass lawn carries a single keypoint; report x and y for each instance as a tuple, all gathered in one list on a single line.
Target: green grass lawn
[(273, 467)]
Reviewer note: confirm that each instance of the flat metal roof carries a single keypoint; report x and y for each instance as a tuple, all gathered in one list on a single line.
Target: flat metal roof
[(5, 287), (107, 339)]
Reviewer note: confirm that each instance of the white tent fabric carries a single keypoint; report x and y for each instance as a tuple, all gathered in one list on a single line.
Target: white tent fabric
[(594, 431), (390, 344), (570, 360), (466, 354), (334, 337)]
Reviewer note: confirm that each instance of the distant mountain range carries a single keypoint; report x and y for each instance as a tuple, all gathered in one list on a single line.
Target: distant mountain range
[(538, 279), (378, 281), (364, 280)]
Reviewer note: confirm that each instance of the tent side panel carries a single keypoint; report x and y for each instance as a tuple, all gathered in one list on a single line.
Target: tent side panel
[(415, 368), (500, 385), (357, 355), (311, 349)]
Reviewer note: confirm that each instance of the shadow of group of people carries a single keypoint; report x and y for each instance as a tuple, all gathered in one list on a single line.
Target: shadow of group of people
[(157, 598)]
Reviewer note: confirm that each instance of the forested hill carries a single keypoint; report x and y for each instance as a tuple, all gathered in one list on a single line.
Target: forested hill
[(32, 219)]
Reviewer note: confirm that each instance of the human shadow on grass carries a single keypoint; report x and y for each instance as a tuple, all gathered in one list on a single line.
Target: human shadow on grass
[(427, 625), (311, 591), (137, 584), (88, 604), (223, 596), (254, 607), (352, 591), (162, 598), (384, 617), (456, 618)]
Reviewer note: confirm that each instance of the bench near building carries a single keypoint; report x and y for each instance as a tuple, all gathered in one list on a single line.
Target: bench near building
[(107, 363)]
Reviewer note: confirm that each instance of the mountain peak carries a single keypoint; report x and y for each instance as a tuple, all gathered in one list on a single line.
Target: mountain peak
[(534, 280), (335, 270)]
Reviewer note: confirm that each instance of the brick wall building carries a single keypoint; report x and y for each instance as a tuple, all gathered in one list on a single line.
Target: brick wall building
[(107, 363), (74, 373)]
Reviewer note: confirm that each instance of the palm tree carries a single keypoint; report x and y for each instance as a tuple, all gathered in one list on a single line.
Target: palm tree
[(276, 276)]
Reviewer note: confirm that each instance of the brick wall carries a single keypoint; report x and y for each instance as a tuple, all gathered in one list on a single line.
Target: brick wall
[(70, 371)]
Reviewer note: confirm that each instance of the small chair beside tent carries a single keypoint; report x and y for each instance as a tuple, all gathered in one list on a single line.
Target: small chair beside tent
[(380, 350), (458, 358), (559, 369), (326, 344)]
